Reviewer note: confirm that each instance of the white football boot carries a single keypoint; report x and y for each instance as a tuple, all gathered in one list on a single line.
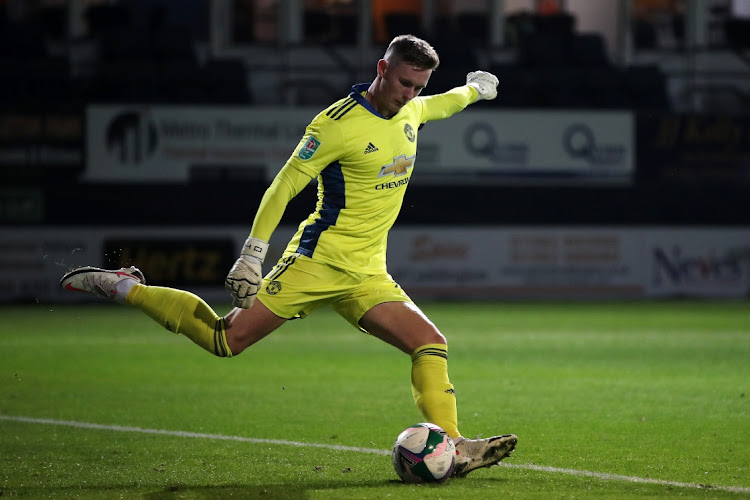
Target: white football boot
[(475, 453), (105, 284)]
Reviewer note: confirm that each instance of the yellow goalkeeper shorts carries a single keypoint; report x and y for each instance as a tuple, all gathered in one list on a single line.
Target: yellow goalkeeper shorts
[(297, 285)]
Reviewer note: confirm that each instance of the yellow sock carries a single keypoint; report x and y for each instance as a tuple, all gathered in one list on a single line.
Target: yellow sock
[(431, 388), (182, 312)]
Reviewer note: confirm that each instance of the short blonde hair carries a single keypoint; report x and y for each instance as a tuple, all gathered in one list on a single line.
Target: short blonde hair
[(412, 50)]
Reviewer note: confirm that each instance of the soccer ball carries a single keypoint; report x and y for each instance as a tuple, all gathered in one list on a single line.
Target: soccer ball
[(423, 453)]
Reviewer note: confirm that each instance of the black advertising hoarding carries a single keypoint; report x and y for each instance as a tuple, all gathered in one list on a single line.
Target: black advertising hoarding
[(41, 139), (174, 262), (693, 148)]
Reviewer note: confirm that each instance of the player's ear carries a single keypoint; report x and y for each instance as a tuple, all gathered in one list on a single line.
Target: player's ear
[(382, 66)]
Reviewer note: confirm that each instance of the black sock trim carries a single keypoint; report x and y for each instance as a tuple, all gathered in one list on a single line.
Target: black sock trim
[(432, 351), (219, 349)]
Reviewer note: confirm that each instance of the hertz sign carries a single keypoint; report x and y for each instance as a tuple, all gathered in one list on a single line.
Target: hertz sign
[(174, 262)]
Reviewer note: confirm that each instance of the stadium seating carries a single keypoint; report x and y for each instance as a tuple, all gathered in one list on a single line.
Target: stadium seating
[(555, 67), (227, 81), (603, 87), (606, 88), (476, 26), (588, 50), (542, 50), (562, 87), (519, 87), (104, 18), (14, 94), (737, 32), (173, 82), (559, 69), (560, 25), (398, 23), (647, 87)]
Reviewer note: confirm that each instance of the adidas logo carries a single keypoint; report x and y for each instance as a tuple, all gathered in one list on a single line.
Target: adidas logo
[(371, 148)]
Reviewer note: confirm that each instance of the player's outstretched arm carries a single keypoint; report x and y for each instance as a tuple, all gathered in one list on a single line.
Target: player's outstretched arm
[(484, 82), (246, 274)]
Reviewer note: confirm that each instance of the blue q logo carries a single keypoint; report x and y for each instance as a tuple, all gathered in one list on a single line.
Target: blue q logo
[(480, 140), (579, 142)]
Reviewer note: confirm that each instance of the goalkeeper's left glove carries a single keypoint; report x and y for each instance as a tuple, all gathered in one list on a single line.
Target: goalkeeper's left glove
[(245, 276), (484, 82)]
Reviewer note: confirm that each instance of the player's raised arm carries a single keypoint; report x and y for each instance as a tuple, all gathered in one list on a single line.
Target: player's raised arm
[(480, 85)]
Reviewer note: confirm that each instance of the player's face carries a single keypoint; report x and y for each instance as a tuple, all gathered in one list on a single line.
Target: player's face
[(400, 84)]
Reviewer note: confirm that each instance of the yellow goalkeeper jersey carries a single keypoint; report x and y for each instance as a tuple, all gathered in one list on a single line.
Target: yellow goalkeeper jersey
[(363, 164)]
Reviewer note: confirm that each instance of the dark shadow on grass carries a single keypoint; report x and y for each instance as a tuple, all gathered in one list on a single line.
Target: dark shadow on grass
[(290, 492), (281, 492), (275, 491)]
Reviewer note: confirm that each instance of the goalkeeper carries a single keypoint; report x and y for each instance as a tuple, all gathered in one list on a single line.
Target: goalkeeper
[(361, 149)]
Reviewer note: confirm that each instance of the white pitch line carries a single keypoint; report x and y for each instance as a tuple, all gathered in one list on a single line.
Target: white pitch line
[(163, 432), (630, 479), (221, 437)]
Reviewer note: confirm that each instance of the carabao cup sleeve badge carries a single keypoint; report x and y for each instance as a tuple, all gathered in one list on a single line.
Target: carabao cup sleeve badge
[(306, 151)]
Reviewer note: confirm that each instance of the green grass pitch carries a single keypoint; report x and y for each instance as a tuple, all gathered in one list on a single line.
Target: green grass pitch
[(609, 400)]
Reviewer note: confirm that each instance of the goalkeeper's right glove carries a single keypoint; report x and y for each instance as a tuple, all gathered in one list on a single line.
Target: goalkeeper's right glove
[(485, 83), (246, 275)]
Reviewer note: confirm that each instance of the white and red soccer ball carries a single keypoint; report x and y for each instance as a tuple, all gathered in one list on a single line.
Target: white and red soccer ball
[(424, 453)]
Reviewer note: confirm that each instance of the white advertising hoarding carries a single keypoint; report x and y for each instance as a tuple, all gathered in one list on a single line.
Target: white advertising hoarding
[(524, 262), (448, 262), (166, 143), (709, 263), (531, 144)]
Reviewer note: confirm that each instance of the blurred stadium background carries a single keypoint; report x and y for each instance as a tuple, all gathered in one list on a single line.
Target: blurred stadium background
[(615, 162)]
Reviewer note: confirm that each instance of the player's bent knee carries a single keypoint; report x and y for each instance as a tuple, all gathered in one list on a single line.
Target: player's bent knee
[(437, 338), (430, 337)]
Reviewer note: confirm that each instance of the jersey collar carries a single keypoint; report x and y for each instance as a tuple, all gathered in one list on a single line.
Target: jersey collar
[(356, 94)]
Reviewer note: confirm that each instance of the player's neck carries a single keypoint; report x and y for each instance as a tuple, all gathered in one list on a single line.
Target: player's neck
[(372, 97)]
